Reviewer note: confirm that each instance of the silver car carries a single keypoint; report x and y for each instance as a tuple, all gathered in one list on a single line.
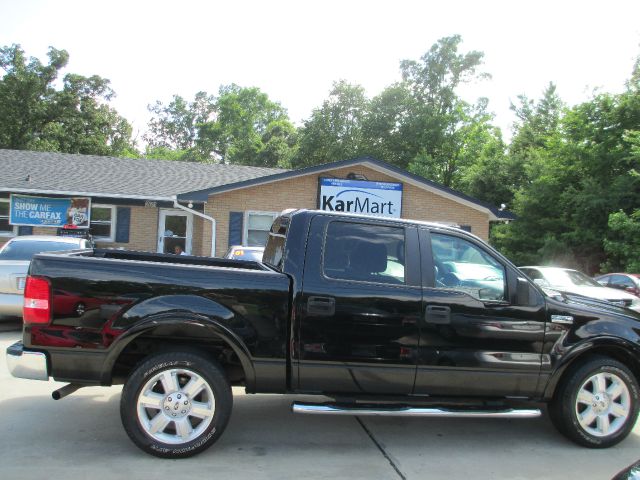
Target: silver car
[(15, 257)]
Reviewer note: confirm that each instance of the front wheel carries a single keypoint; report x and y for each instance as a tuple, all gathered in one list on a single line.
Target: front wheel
[(176, 404), (597, 404)]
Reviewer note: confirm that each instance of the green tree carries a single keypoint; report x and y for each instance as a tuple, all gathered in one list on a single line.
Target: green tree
[(580, 166), (73, 119), (335, 130), (173, 129), (621, 242), (248, 129)]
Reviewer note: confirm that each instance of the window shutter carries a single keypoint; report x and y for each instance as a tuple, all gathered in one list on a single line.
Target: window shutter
[(235, 228), (24, 230), (123, 219)]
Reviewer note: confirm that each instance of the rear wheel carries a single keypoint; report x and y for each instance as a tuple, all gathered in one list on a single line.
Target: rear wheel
[(176, 405), (597, 403)]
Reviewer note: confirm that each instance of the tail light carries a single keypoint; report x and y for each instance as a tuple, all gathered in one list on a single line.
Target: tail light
[(37, 301)]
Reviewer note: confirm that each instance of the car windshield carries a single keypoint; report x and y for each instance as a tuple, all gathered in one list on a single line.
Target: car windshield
[(569, 278), (26, 249)]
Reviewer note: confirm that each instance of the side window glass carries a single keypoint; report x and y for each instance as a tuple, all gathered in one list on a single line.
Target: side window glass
[(461, 265), (604, 280), (367, 253), (620, 281)]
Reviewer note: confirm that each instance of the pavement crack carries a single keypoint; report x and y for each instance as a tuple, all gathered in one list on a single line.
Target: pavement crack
[(381, 448)]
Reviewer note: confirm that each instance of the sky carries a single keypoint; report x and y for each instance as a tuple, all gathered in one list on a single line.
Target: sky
[(295, 50)]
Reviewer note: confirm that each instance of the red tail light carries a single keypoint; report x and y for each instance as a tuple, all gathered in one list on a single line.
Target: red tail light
[(37, 301)]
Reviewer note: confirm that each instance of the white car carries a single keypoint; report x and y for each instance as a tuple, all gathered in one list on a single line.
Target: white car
[(15, 257), (573, 281)]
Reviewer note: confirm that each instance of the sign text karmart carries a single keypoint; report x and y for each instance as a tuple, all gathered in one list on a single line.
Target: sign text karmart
[(360, 196)]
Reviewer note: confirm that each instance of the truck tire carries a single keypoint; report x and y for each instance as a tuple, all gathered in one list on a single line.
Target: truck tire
[(176, 404), (596, 405)]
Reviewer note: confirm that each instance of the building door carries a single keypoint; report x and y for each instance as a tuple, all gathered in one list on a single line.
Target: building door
[(175, 230)]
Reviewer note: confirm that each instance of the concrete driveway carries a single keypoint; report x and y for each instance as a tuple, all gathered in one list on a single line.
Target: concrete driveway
[(81, 436)]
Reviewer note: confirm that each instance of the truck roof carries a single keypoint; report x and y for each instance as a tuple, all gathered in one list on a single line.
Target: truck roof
[(404, 221)]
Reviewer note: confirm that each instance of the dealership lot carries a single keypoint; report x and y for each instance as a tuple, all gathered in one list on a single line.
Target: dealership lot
[(81, 436)]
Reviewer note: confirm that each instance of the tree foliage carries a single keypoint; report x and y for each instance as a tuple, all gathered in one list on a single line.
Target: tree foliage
[(239, 126), (74, 119)]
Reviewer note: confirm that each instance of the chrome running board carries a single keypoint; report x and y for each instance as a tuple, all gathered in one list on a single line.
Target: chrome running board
[(405, 411)]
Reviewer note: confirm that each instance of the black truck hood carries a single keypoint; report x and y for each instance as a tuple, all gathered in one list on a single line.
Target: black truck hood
[(586, 306)]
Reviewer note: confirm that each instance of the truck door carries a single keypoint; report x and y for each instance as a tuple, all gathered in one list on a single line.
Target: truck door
[(359, 308), (476, 337)]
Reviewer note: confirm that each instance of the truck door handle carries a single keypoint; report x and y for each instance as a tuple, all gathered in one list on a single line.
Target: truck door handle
[(321, 306), (438, 315)]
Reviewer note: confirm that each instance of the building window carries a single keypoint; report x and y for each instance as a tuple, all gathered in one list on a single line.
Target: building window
[(103, 222), (6, 230), (257, 226)]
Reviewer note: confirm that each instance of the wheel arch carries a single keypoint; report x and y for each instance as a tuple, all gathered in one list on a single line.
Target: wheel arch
[(183, 331), (619, 349)]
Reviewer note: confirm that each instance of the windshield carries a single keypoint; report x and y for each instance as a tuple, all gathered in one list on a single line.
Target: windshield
[(25, 250), (569, 278)]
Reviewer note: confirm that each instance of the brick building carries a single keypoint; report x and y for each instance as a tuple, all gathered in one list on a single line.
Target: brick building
[(154, 205)]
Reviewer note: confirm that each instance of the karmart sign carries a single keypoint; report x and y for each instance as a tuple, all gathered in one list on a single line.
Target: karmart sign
[(360, 196)]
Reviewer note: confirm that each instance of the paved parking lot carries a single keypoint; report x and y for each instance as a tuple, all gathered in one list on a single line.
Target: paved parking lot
[(81, 437)]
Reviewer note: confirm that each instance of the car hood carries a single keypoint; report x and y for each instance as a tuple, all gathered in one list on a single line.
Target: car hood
[(590, 306), (601, 293)]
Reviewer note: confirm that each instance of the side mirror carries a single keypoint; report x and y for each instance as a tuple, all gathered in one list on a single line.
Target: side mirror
[(523, 291)]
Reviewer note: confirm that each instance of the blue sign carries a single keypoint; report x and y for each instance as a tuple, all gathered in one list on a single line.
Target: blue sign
[(360, 196), (50, 212)]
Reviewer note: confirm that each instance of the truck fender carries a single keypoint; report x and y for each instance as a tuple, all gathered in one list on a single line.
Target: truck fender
[(624, 350), (179, 310)]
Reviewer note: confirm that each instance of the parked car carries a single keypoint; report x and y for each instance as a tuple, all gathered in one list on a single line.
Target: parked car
[(453, 329), (629, 282), (572, 281), (15, 256), (238, 252)]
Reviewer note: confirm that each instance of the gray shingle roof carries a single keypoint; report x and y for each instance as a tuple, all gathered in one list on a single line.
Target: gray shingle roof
[(110, 176)]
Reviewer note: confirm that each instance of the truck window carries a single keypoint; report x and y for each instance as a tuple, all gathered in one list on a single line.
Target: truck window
[(460, 265), (366, 253)]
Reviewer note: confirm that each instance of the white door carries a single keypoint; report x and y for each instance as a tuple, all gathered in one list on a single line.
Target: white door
[(174, 231)]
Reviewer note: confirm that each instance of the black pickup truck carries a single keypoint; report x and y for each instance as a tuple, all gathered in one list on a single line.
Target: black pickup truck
[(383, 316)]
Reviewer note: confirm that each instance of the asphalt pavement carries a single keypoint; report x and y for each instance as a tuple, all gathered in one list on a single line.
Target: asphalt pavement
[(81, 437)]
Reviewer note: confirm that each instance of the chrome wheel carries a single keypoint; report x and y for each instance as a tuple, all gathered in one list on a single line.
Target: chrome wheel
[(603, 404), (175, 406)]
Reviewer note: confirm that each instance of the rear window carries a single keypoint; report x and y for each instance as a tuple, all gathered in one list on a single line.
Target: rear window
[(25, 250)]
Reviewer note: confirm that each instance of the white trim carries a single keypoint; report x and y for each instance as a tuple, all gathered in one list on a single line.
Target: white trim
[(114, 211), (87, 194), (164, 212), (6, 233), (245, 222), (379, 169), (201, 215)]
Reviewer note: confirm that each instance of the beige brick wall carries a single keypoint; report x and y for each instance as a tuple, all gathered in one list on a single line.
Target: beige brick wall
[(302, 192), (143, 231)]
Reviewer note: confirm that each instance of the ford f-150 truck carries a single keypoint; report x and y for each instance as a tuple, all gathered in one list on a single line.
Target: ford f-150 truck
[(382, 316)]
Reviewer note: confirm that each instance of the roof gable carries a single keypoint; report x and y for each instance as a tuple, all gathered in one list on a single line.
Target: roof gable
[(375, 164)]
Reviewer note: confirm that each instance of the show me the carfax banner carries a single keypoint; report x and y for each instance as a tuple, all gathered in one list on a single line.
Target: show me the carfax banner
[(49, 211), (360, 196)]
